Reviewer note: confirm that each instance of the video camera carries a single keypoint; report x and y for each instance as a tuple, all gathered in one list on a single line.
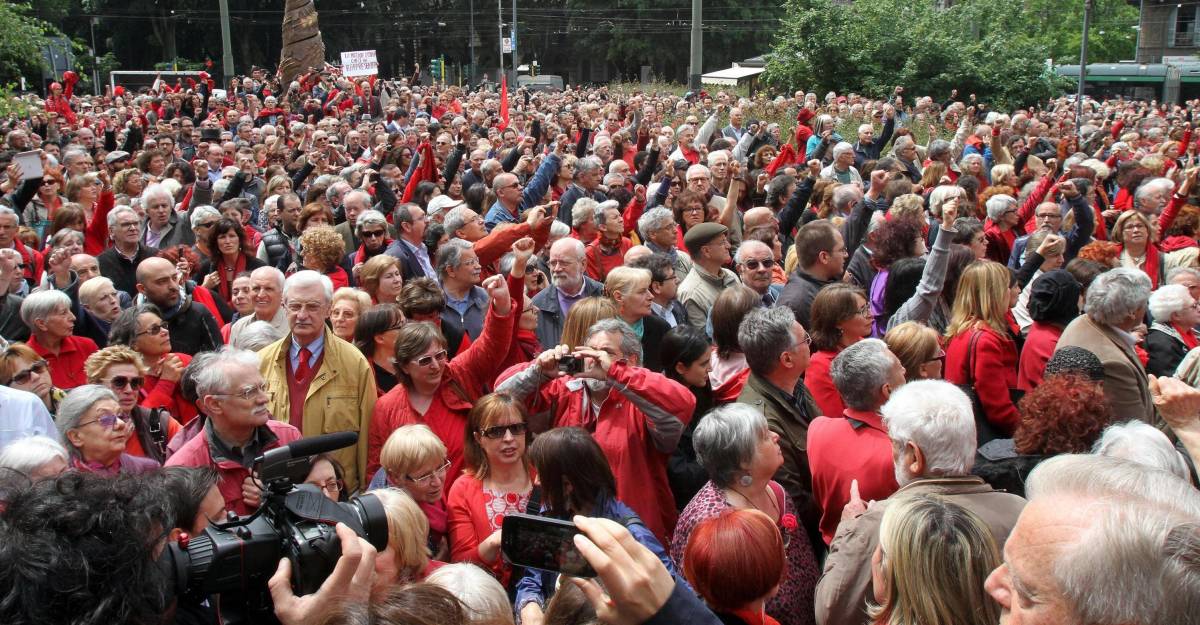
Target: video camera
[(296, 522)]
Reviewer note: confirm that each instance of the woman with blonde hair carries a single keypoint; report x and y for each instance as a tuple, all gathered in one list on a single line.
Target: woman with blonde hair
[(582, 316), (347, 305), (933, 175), (406, 558), (414, 460), (382, 279), (981, 352), (919, 348), (1139, 247), (931, 564), (498, 482), (629, 289)]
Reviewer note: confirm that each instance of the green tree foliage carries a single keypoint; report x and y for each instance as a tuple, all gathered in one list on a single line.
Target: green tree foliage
[(21, 44), (986, 47)]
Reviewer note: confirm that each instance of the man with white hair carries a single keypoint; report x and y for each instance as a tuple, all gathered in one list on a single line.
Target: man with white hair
[(1116, 305), (852, 449), (240, 427), (869, 147), (755, 263), (931, 427), (1092, 527), (266, 291), (842, 168), (317, 382), (119, 262), (570, 284), (660, 233), (589, 173), (163, 228)]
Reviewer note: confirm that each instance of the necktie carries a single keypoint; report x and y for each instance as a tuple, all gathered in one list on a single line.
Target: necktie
[(302, 368)]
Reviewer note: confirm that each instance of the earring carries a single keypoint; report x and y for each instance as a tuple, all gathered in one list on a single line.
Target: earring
[(746, 480)]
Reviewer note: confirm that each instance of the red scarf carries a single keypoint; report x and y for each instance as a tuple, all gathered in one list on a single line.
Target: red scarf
[(360, 256), (786, 155), (426, 170), (1188, 335), (438, 519), (225, 287), (1151, 266)]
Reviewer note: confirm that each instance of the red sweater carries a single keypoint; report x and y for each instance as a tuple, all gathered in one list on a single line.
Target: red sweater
[(841, 451), (1039, 347), (470, 526)]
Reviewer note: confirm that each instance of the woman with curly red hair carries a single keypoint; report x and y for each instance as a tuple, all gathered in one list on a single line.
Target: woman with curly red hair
[(1065, 414)]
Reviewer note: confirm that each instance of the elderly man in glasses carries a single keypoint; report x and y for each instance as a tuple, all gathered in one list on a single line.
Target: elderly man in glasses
[(319, 383), (755, 263), (231, 391)]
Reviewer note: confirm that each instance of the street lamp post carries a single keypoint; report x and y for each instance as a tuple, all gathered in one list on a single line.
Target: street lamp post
[(1087, 12), (95, 59)]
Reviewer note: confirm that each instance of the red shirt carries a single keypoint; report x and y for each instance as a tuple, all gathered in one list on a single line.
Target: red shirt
[(820, 383), (66, 368), (854, 446)]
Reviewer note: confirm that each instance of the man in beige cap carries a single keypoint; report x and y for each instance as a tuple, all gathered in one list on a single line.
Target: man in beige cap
[(709, 247)]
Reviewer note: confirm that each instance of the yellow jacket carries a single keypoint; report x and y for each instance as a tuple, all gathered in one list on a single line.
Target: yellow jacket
[(341, 398)]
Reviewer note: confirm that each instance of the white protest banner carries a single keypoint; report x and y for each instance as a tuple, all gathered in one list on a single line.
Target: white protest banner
[(359, 63)]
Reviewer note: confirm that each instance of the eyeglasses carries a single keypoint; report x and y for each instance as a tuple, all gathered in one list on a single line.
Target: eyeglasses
[(807, 340), (425, 361), (374, 234), (206, 225), (753, 264), (865, 311), (129, 225), (941, 355), (333, 486), (22, 377), (311, 308), (439, 472), (107, 421), (247, 392), (153, 330), (48, 182), (498, 431), (120, 381), (694, 209)]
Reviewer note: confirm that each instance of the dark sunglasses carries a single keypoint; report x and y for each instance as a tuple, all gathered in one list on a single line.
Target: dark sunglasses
[(153, 330), (374, 234), (120, 381), (498, 431), (22, 377), (753, 264)]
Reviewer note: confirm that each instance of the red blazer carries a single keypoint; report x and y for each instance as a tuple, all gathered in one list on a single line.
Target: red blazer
[(995, 373), (820, 383)]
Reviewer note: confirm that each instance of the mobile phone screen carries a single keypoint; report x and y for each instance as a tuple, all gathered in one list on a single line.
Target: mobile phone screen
[(543, 543)]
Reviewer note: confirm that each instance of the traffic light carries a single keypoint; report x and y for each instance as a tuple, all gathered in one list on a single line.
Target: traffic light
[(436, 69)]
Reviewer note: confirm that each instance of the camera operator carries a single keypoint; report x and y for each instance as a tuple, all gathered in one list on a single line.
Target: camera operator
[(239, 428), (195, 503)]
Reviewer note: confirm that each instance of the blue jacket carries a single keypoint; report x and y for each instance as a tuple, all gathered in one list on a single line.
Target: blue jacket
[(537, 586), (530, 197), (1079, 235)]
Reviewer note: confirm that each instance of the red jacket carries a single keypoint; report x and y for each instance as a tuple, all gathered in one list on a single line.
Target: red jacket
[(160, 393), (995, 373), (196, 453), (820, 383), (854, 446), (469, 376), (638, 427), (1039, 347), (66, 367), (95, 237)]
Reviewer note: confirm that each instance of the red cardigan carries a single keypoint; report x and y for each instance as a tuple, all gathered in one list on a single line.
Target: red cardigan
[(469, 526), (820, 383), (995, 373)]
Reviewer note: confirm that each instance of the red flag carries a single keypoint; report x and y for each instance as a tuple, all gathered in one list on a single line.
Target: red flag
[(426, 170), (503, 102), (785, 157)]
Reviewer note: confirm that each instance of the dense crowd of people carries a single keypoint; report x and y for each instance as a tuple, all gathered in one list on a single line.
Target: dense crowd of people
[(775, 375)]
